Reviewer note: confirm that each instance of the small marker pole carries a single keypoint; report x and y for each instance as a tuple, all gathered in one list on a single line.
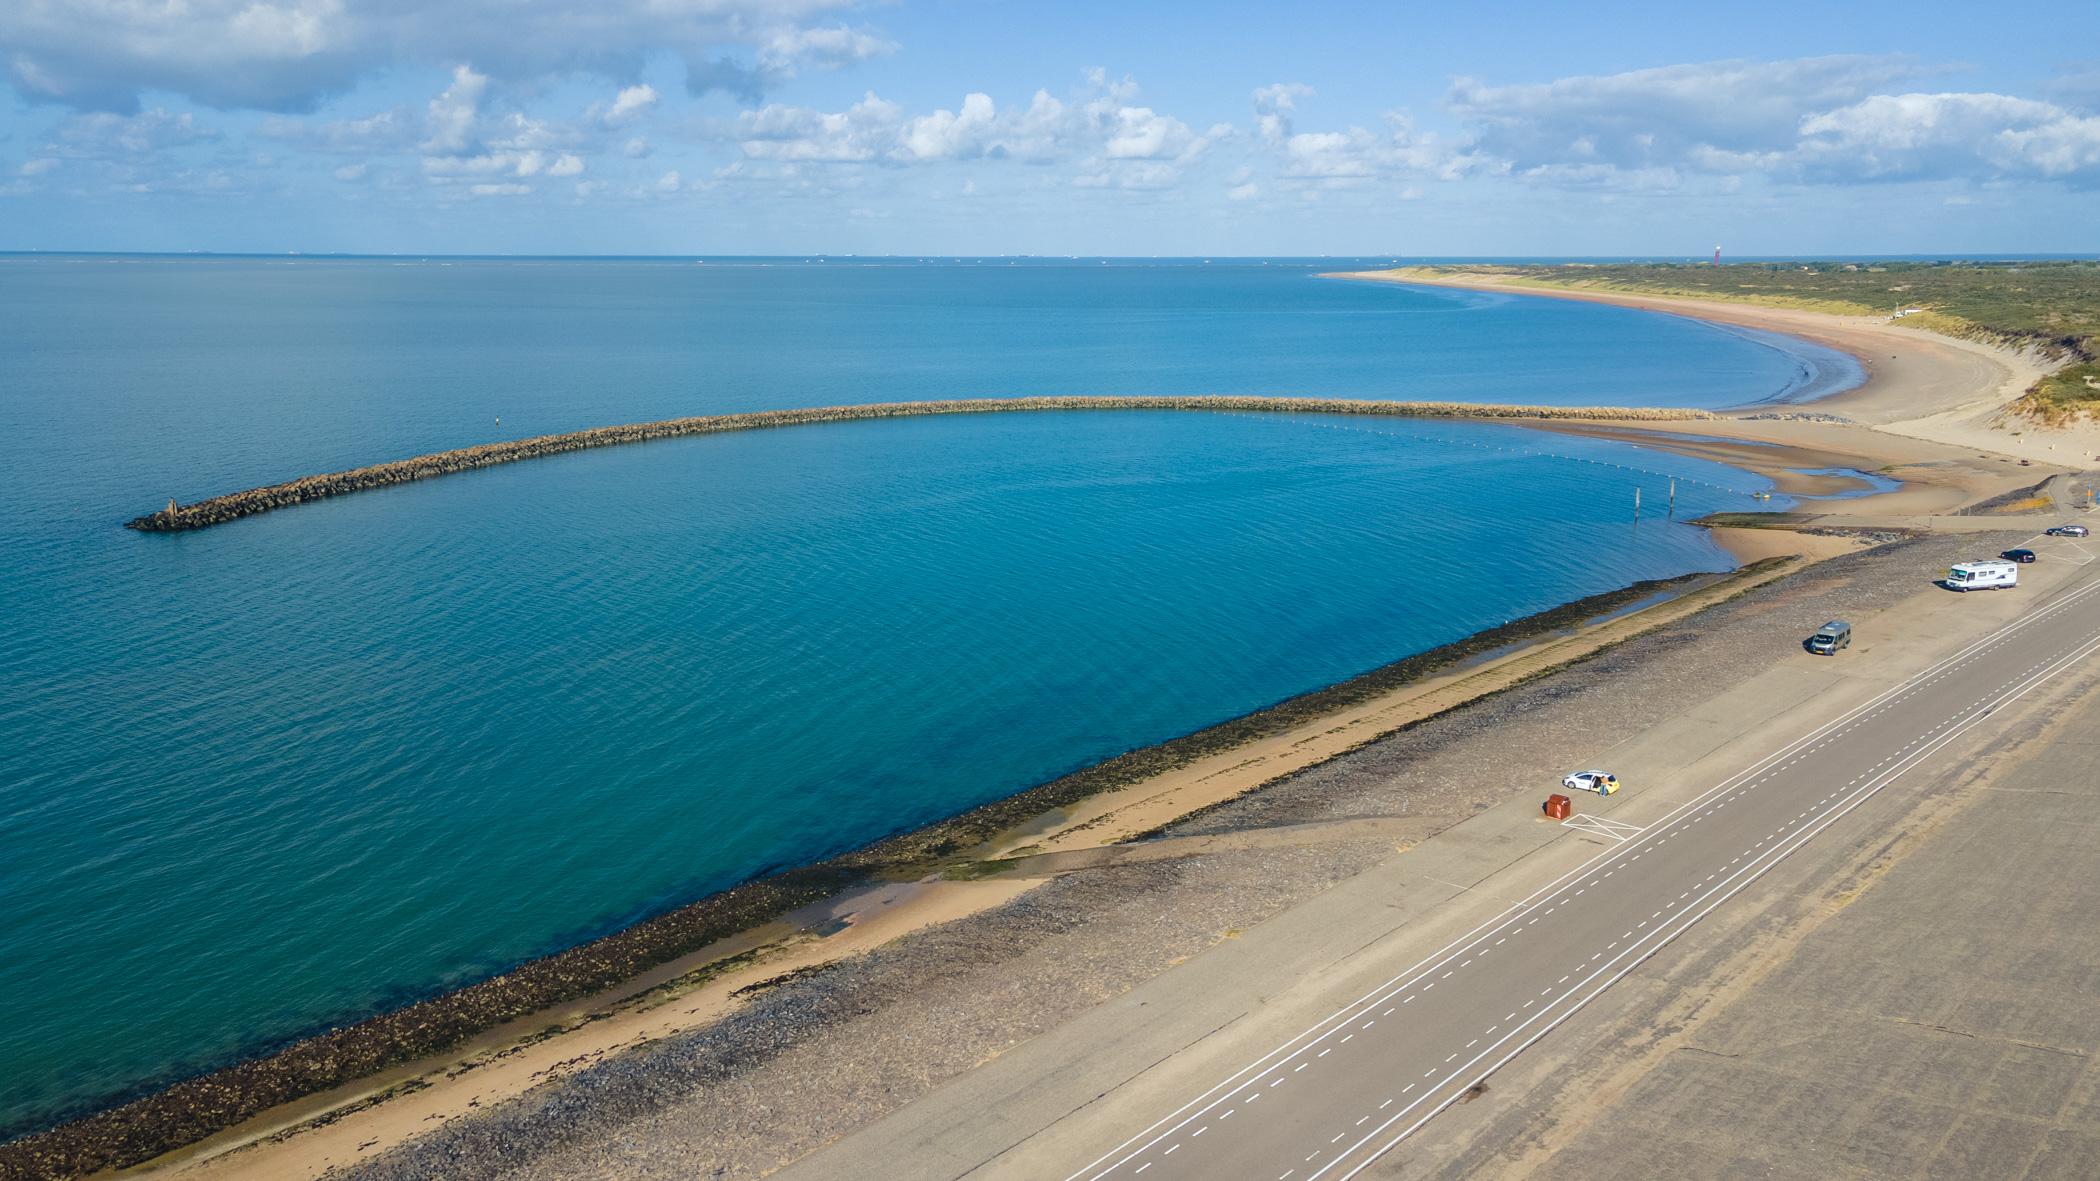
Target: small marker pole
[(1673, 498), (1636, 503)]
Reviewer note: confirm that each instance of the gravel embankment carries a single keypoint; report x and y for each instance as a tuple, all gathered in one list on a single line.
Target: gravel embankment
[(810, 1059)]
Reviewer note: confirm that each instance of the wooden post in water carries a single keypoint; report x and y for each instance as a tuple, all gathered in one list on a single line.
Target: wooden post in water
[(1673, 496), (1636, 502)]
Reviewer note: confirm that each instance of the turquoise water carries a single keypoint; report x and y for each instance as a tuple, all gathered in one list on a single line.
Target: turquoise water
[(275, 775)]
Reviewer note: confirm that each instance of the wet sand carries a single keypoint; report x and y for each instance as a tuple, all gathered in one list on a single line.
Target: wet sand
[(356, 1121), (1919, 384)]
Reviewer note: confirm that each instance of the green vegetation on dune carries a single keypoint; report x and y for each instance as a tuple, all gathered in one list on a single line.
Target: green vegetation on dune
[(2050, 307), (2065, 394)]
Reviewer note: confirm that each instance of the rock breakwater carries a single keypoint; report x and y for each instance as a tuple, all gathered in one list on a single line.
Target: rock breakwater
[(234, 505)]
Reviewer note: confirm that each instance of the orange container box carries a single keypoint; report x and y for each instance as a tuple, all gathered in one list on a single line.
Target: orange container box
[(1559, 807)]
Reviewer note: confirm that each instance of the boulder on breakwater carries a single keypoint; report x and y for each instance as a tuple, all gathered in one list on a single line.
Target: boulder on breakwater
[(233, 505)]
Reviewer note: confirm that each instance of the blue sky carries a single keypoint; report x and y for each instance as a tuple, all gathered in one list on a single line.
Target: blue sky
[(971, 126)]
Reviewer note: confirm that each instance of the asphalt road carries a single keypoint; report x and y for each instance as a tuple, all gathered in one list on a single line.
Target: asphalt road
[(1328, 1102)]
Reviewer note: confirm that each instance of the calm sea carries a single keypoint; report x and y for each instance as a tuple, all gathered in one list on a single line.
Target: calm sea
[(279, 774)]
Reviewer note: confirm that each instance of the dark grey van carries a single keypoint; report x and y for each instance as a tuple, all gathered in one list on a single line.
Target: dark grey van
[(1830, 637)]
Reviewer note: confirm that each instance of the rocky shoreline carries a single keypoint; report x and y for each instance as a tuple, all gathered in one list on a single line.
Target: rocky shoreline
[(812, 1059), (193, 1109), (234, 505)]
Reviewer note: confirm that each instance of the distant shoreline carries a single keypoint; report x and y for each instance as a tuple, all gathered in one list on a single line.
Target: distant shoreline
[(1920, 384), (189, 1111), (1456, 278)]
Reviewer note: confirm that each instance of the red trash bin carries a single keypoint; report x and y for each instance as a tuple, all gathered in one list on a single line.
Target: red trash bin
[(1559, 807)]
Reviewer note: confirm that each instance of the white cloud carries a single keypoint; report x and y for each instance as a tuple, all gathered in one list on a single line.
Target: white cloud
[(1120, 144), (499, 190), (628, 105), (461, 140), (1273, 106), (1660, 117), (1584, 176), (828, 47), (519, 164), (1820, 119), (38, 166), (1937, 135), (1329, 154), (352, 172), (668, 182), (2063, 147), (635, 148), (865, 131), (449, 123), (291, 54), (1139, 133), (1145, 177), (108, 136), (1358, 155), (387, 131), (969, 132), (1243, 192)]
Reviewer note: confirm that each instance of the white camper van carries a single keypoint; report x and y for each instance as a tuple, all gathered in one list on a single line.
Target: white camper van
[(1968, 576)]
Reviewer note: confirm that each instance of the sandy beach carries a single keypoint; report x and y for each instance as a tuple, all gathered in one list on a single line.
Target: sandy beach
[(1926, 417), (1918, 385)]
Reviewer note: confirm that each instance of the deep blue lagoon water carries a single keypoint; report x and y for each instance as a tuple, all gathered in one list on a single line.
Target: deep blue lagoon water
[(278, 774)]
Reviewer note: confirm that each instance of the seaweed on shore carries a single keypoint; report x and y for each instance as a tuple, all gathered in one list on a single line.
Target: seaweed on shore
[(1772, 520)]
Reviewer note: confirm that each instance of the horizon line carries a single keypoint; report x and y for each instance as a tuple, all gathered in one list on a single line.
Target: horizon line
[(822, 256)]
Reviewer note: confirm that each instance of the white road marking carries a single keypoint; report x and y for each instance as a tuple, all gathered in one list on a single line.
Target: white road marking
[(1844, 723), (1747, 875)]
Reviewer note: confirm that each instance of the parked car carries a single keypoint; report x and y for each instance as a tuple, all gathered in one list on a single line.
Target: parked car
[(1831, 638), (2018, 555), (2068, 531), (1602, 782)]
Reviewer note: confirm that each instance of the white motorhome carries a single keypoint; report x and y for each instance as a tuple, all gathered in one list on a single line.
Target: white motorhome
[(1991, 575)]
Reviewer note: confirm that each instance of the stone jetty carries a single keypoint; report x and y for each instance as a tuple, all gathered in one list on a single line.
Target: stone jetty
[(233, 505)]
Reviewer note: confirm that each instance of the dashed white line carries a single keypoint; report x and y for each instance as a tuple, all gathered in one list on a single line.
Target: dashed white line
[(1948, 666)]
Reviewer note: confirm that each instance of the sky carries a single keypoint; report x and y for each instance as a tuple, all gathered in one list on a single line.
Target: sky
[(984, 127)]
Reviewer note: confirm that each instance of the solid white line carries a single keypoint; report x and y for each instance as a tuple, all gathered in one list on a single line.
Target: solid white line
[(1748, 874), (1415, 974), (1725, 892)]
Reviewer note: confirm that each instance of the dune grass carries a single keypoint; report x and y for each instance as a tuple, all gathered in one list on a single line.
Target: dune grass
[(2049, 307)]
